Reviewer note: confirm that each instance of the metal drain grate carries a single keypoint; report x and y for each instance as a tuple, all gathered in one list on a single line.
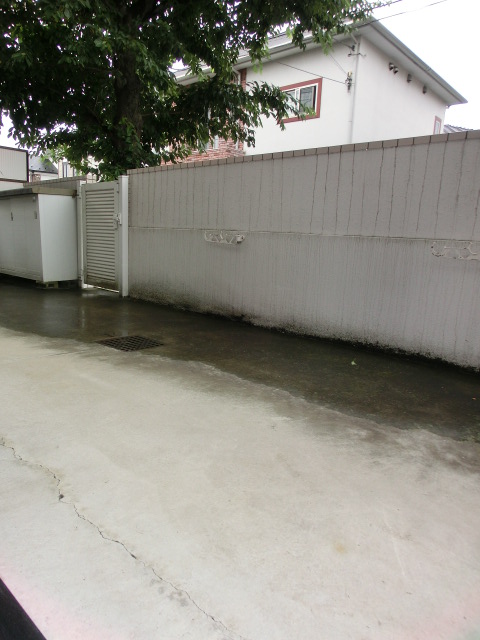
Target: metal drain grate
[(130, 343)]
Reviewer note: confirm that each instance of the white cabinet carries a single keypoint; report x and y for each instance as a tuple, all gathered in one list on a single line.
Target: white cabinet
[(38, 234)]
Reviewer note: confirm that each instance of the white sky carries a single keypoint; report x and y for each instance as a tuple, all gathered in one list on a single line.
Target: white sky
[(444, 34)]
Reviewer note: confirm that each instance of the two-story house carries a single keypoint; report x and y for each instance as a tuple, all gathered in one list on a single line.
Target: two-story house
[(370, 86)]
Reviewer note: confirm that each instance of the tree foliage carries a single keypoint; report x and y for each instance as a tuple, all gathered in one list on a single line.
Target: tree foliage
[(94, 78)]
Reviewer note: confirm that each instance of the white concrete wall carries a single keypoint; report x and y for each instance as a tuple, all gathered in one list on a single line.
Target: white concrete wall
[(380, 105), (386, 105), (338, 241)]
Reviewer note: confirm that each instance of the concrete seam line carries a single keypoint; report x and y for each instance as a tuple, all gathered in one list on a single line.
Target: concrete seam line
[(253, 232), (18, 457)]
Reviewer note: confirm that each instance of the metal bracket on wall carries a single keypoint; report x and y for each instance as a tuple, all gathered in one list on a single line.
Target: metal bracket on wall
[(456, 249), (224, 237)]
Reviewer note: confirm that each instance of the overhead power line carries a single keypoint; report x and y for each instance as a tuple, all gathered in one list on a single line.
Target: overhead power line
[(400, 13), (373, 20), (311, 73)]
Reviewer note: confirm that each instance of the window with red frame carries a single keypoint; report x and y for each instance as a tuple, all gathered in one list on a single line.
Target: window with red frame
[(308, 94)]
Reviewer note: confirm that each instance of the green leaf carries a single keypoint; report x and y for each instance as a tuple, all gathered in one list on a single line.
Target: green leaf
[(93, 78)]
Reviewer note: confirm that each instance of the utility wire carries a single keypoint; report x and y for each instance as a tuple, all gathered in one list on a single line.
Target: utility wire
[(337, 63), (401, 13), (315, 75)]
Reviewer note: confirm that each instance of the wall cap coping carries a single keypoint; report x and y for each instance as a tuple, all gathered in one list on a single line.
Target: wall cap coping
[(278, 155), (458, 135), (389, 144), (439, 137), (422, 140), (405, 142)]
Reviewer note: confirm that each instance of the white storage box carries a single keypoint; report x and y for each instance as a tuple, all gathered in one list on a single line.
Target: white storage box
[(38, 234)]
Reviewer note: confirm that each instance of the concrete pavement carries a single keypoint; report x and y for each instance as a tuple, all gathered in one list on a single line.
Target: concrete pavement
[(154, 497)]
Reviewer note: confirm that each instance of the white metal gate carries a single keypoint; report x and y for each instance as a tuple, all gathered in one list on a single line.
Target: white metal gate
[(105, 234)]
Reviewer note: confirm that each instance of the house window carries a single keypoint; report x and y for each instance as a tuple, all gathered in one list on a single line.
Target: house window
[(437, 127), (203, 147), (308, 94), (64, 169)]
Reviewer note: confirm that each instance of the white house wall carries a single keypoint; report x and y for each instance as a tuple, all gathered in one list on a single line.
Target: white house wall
[(333, 126), (364, 243), (386, 105), (380, 105)]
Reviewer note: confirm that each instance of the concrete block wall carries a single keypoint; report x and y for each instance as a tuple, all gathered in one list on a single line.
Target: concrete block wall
[(362, 242)]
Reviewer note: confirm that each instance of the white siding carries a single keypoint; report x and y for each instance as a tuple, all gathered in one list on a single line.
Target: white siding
[(336, 101), (380, 104), (387, 106)]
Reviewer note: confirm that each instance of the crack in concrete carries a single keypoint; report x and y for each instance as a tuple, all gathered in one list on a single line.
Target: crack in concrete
[(61, 498)]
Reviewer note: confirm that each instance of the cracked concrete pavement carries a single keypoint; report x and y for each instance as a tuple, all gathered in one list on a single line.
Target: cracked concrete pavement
[(145, 497)]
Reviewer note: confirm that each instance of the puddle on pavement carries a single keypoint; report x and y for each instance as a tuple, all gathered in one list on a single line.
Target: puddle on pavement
[(406, 392)]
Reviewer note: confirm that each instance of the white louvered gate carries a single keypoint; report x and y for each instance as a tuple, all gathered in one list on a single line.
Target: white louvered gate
[(105, 235)]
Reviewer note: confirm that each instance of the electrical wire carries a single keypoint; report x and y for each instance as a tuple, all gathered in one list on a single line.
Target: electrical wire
[(387, 4), (337, 63), (315, 75), (401, 13)]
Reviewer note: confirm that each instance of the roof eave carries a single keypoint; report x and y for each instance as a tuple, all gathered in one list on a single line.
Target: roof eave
[(390, 44), (383, 39)]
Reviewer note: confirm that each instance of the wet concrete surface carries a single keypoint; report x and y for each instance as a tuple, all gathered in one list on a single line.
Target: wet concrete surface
[(405, 392), (154, 494)]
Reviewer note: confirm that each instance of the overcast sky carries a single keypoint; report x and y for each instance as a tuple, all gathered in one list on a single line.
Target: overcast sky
[(443, 33)]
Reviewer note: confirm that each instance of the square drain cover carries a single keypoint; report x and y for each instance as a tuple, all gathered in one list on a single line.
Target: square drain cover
[(130, 343)]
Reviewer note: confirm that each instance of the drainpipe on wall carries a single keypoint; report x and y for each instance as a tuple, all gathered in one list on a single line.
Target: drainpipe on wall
[(354, 91)]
